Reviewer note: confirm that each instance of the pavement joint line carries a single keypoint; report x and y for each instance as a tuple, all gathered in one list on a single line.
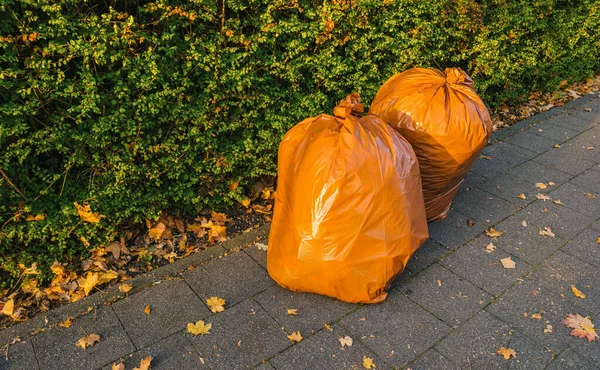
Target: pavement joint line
[(124, 329)]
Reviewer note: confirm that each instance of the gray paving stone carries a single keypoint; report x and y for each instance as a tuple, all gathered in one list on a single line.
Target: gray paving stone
[(474, 345), (509, 187), (589, 180), (534, 143), (174, 352), (561, 271), (570, 360), (240, 337), (563, 221), (397, 330), (234, 278), (595, 225), (577, 199), (532, 171), (552, 130), (483, 269), (454, 231), (429, 253), (446, 295), (516, 306), (588, 350), (471, 181), (56, 349), (582, 119), (265, 366), (323, 350), (313, 310), (483, 206), (172, 305), (489, 168), (401, 278), (509, 153), (578, 148), (432, 359), (259, 256), (20, 356), (526, 242), (557, 159)]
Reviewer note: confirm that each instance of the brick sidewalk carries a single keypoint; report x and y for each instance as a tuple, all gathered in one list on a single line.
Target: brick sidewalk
[(452, 308)]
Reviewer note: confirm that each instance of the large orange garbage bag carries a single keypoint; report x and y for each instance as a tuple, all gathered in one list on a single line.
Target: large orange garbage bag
[(446, 123), (349, 207)]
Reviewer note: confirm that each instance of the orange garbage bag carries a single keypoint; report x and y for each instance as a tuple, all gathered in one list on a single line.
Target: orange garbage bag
[(349, 207), (446, 123)]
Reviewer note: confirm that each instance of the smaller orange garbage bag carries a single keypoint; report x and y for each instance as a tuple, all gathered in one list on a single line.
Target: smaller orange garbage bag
[(446, 123), (349, 208)]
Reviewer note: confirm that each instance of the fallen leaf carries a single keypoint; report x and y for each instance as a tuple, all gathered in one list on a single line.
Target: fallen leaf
[(547, 231), (346, 341), (470, 222), (89, 282), (144, 364), (485, 157), (234, 185), (508, 263), (67, 323), (540, 185), (159, 231), (578, 293), (493, 233), (35, 218), (548, 329), (543, 197), (116, 366), (292, 311), (84, 241), (536, 316), (217, 233), (490, 248), (124, 288), (368, 363), (506, 352), (216, 304), (265, 193), (522, 196), (328, 327), (295, 336), (9, 307), (86, 213), (88, 341), (262, 247), (589, 148), (199, 328), (589, 195), (556, 146), (582, 326), (245, 203), (587, 109), (524, 223), (558, 202), (439, 283), (147, 310)]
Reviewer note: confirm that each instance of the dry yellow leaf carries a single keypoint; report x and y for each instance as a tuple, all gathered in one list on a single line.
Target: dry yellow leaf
[(508, 263), (548, 329), (295, 336), (558, 201), (292, 311), (536, 316), (493, 233), (578, 293), (147, 310), (88, 341), (543, 197), (9, 308), (144, 364), (217, 233), (120, 366), (233, 185), (590, 195), (598, 240), (124, 288), (86, 213), (540, 185), (506, 352), (89, 282), (551, 183), (522, 196), (547, 231), (67, 323), (84, 241), (368, 363), (582, 327), (159, 231), (245, 203), (524, 223), (35, 218), (199, 328), (490, 248), (346, 341), (328, 327), (105, 277), (262, 247), (216, 304)]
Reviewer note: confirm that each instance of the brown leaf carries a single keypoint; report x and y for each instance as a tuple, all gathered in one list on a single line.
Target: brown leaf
[(145, 363), (116, 366), (216, 304), (558, 202), (295, 336), (490, 248), (124, 288), (493, 233), (86, 213), (159, 231), (508, 263), (543, 197), (547, 231), (115, 249), (67, 323), (506, 352), (35, 218), (88, 341), (582, 326)]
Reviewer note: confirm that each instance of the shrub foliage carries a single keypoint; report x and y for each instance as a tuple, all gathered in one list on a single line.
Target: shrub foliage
[(138, 107)]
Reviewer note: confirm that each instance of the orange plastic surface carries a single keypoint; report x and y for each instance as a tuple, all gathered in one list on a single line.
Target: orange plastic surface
[(349, 207), (446, 123)]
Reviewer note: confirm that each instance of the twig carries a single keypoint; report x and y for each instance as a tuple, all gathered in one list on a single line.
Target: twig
[(11, 184)]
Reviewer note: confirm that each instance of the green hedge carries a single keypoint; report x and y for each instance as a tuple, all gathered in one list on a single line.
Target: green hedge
[(137, 107)]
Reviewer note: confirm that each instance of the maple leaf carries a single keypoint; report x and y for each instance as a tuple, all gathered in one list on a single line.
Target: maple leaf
[(105, 277), (582, 327), (295, 336), (216, 304), (197, 229), (88, 341), (89, 282), (147, 310), (543, 197), (217, 233), (67, 323), (199, 328), (490, 248), (86, 213), (506, 352), (144, 364), (159, 231), (540, 185), (262, 247), (522, 196), (493, 233), (219, 218), (35, 218), (578, 293), (368, 363), (508, 263), (547, 231), (245, 202), (346, 341), (116, 366), (124, 288)]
